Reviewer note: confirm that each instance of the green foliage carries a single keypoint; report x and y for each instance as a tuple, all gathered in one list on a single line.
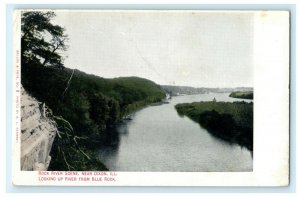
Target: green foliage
[(90, 103), (134, 93), (242, 94), (232, 122), (67, 152), (41, 41), (103, 110)]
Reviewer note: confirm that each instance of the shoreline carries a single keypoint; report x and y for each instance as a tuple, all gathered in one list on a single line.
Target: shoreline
[(230, 122)]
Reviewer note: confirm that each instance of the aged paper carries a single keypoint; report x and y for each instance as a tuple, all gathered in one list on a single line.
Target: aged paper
[(145, 98)]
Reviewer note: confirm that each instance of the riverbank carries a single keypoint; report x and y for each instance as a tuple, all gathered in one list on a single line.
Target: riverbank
[(232, 122)]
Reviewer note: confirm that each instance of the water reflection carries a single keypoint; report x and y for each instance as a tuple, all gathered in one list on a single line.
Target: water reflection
[(157, 139), (110, 142)]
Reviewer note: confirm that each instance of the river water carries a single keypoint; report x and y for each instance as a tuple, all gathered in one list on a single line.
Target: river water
[(157, 139)]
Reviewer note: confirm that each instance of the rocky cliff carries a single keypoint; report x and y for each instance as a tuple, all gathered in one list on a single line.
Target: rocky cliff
[(38, 131)]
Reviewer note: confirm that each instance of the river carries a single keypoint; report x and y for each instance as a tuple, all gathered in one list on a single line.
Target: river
[(157, 139)]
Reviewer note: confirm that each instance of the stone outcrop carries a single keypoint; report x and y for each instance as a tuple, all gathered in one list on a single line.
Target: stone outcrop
[(38, 131)]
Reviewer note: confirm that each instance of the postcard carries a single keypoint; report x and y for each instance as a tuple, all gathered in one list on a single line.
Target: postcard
[(151, 98)]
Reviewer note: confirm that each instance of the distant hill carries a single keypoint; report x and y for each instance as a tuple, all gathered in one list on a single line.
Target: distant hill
[(176, 90), (88, 101)]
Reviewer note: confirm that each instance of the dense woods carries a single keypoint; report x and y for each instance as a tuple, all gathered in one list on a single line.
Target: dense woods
[(232, 122), (89, 102)]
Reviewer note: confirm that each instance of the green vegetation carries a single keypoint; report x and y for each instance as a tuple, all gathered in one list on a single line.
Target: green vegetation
[(41, 41), (242, 94), (84, 106), (90, 104), (232, 122), (68, 153)]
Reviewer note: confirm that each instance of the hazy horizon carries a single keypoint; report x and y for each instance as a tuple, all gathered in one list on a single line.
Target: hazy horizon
[(191, 48)]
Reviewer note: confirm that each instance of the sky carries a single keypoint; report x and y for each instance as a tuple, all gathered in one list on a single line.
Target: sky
[(186, 48)]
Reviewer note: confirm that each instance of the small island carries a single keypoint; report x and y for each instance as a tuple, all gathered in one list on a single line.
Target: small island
[(242, 94), (232, 122)]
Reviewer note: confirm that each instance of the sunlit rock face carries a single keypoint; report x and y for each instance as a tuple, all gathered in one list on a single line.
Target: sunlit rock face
[(37, 134)]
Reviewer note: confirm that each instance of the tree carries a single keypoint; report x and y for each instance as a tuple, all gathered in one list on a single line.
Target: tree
[(41, 41)]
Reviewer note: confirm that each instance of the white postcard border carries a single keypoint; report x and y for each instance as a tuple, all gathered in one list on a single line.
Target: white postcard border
[(271, 155)]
